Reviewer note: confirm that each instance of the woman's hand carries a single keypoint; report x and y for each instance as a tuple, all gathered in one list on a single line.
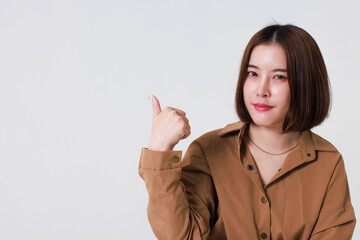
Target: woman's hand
[(169, 126)]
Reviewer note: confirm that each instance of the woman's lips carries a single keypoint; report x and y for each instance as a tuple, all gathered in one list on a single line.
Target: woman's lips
[(262, 107)]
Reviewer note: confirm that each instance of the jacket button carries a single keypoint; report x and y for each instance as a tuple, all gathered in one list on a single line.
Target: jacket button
[(175, 159), (309, 155), (263, 200), (250, 167), (263, 235)]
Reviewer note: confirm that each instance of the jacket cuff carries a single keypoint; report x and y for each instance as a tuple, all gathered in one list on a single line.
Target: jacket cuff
[(159, 160)]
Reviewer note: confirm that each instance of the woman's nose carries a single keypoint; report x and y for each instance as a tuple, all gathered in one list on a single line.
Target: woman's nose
[(263, 88)]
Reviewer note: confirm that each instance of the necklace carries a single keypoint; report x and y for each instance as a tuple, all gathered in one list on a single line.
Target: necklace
[(274, 153)]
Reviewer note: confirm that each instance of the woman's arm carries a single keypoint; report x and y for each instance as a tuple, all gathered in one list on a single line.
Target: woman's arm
[(336, 219), (181, 193)]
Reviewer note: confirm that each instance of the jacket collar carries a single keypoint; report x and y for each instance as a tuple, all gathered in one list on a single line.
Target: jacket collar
[(232, 127), (308, 144)]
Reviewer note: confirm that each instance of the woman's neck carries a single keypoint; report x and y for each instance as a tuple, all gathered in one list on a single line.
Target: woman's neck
[(271, 139)]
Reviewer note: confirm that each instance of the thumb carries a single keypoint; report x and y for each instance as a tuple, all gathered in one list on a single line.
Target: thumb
[(156, 105)]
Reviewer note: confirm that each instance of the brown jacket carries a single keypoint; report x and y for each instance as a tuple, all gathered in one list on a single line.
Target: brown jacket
[(216, 192)]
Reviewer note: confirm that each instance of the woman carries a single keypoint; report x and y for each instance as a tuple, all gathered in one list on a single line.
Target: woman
[(264, 177)]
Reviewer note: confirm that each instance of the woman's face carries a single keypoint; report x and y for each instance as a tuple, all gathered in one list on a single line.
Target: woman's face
[(266, 88)]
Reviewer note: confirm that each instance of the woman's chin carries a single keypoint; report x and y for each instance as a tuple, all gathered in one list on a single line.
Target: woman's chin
[(267, 124)]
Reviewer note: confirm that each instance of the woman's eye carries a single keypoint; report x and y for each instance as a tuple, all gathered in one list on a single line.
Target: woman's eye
[(280, 77), (252, 74)]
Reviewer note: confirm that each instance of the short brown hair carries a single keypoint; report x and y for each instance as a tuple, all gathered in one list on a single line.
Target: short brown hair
[(308, 78)]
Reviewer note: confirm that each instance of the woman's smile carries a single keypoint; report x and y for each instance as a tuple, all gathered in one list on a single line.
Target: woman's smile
[(262, 107)]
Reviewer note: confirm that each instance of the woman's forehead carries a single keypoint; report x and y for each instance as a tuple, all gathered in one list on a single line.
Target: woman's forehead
[(269, 56)]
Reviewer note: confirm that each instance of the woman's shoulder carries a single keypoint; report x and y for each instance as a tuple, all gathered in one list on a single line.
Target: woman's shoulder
[(222, 134), (322, 144), (327, 155)]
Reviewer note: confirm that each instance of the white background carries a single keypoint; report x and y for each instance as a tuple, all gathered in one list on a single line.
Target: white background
[(74, 112)]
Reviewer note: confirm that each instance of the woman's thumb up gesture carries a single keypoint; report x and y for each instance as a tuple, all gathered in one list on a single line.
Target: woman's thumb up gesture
[(169, 126)]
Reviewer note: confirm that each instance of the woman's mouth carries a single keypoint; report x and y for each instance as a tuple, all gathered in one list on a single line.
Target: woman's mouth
[(262, 107)]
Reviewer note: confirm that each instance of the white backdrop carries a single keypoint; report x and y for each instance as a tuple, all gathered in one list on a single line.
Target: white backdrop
[(74, 113)]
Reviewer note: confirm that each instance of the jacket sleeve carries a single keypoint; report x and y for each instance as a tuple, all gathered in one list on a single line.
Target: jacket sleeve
[(336, 219), (181, 193)]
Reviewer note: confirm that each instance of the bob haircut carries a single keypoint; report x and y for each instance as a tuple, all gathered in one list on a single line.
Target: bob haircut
[(307, 76)]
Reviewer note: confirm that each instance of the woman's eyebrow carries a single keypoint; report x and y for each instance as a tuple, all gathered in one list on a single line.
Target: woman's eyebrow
[(274, 70), (279, 70), (253, 66)]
